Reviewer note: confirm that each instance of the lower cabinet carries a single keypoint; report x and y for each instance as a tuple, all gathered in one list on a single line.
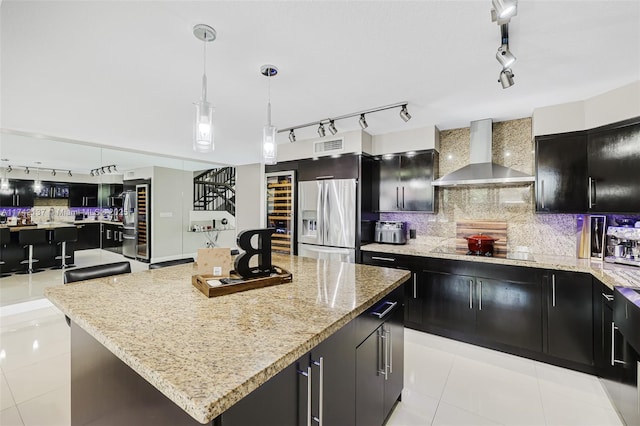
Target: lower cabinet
[(379, 371), (352, 378), (448, 301), (88, 236), (569, 305)]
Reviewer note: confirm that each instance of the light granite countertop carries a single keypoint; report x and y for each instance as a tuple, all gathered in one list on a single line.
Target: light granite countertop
[(610, 274), (205, 354)]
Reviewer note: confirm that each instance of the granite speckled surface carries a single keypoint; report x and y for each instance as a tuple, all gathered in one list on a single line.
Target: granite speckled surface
[(610, 274), (205, 354)]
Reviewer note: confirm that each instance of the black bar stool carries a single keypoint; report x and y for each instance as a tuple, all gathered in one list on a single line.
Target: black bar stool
[(29, 238), (62, 236), (5, 237)]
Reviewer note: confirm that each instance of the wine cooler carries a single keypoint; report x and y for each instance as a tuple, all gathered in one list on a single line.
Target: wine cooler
[(280, 210)]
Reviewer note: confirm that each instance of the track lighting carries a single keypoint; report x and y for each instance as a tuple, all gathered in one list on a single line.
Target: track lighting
[(506, 78), (363, 122), (332, 127), (503, 10), (53, 172), (404, 114), (69, 173), (504, 56), (331, 122), (9, 169), (26, 170)]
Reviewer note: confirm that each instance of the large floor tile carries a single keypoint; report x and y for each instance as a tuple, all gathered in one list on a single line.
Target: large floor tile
[(495, 393), (37, 379), (50, 409), (572, 384), (6, 397), (11, 417), (562, 409), (25, 345), (448, 415), (426, 370)]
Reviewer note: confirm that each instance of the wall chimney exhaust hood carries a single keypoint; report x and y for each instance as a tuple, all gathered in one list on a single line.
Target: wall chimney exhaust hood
[(482, 171)]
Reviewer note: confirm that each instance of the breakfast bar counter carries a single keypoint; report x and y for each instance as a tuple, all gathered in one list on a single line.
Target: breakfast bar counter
[(205, 354)]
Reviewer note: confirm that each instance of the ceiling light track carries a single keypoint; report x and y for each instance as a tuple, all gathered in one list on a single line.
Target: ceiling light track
[(330, 122), (501, 12), (10, 168)]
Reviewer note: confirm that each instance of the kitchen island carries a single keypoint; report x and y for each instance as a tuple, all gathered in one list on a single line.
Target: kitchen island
[(203, 354), (14, 252)]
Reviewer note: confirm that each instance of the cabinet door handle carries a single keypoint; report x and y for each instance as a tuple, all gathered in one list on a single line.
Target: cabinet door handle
[(18, 199), (390, 350), (614, 361), (480, 296), (470, 294), (320, 364), (553, 290), (324, 177), (403, 197), (387, 364), (397, 199), (542, 194), (415, 287), (608, 297), (307, 374), (592, 192), (386, 259), (390, 306), (383, 348)]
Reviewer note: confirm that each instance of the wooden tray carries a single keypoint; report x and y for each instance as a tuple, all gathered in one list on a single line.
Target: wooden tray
[(200, 282), (495, 229)]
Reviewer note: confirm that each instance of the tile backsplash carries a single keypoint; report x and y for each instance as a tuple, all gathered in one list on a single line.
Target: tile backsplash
[(554, 234)]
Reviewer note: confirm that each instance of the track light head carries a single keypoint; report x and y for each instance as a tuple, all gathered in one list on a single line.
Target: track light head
[(404, 114), (504, 56), (92, 174), (332, 127), (9, 169), (26, 170), (363, 122), (69, 173), (292, 136), (102, 169), (506, 78), (503, 10), (321, 132), (53, 172)]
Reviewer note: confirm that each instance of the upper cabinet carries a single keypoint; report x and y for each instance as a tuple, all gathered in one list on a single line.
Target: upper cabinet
[(613, 164), (405, 181), (589, 172), (339, 167), (561, 173), (19, 194), (83, 195)]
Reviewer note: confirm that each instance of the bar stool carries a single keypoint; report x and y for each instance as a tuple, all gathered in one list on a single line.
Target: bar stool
[(5, 237), (29, 238), (61, 236)]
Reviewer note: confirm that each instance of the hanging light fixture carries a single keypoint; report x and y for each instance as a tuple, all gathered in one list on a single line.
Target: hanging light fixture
[(363, 122), (404, 114), (203, 123), (4, 184), (292, 136), (321, 132), (37, 185), (269, 146)]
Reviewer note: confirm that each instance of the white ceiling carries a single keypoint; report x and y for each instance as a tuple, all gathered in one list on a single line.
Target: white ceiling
[(125, 74)]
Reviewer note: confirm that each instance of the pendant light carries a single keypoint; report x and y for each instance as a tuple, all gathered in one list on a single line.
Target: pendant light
[(203, 123), (269, 146), (37, 185)]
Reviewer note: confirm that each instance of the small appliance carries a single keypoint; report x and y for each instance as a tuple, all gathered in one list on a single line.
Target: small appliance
[(623, 245), (391, 232)]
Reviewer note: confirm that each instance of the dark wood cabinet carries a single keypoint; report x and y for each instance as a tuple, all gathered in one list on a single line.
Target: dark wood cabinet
[(56, 190), (111, 237), (405, 181), (591, 171), (449, 302), (19, 194), (613, 164), (569, 303), (83, 195), (88, 236), (414, 299), (561, 173), (343, 167)]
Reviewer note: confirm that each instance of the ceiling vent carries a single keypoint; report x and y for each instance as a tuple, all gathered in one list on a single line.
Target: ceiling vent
[(322, 147)]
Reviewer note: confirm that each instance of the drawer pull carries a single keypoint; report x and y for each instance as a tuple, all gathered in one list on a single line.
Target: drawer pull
[(389, 307), (386, 259)]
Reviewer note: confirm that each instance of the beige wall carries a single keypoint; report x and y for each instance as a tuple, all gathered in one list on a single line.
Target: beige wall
[(250, 203), (168, 196)]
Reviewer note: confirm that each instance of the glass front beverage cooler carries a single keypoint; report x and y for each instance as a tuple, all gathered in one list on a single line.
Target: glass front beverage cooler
[(280, 210)]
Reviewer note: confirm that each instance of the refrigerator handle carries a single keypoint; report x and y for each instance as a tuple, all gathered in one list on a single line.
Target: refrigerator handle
[(325, 214)]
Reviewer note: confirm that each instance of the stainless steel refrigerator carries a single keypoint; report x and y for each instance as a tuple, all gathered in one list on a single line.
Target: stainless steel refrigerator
[(129, 224), (327, 219)]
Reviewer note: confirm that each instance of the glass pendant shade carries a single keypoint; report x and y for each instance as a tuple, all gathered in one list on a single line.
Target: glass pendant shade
[(4, 185), (269, 146), (203, 127)]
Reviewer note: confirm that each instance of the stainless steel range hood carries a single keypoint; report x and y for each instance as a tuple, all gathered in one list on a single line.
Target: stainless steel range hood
[(482, 171)]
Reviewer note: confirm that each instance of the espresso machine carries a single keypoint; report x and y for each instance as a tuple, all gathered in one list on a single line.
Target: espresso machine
[(623, 245)]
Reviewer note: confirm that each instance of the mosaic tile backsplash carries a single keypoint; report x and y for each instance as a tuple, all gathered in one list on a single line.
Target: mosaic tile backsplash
[(527, 231)]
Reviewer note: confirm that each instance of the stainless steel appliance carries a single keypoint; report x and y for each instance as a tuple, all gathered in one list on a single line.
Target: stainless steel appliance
[(388, 232), (327, 219), (129, 224), (623, 245)]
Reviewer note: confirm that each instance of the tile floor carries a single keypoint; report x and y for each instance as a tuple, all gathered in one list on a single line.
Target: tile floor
[(446, 382)]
